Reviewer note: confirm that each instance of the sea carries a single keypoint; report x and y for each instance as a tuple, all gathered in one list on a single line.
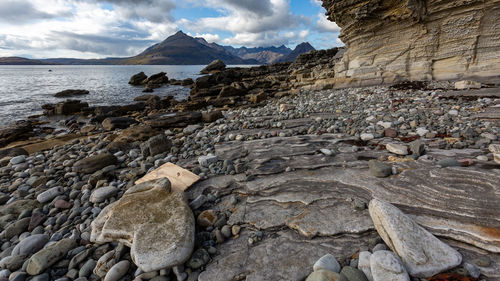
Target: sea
[(25, 88)]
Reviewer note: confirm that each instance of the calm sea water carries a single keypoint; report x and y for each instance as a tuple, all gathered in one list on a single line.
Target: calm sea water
[(24, 89)]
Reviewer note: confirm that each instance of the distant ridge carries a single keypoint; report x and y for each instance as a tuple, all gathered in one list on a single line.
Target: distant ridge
[(182, 49)]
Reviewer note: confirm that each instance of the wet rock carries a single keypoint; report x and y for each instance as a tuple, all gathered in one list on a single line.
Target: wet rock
[(13, 152), (165, 223), (48, 256), (138, 79), (94, 163), (214, 66), (70, 93), (422, 254), (385, 265)]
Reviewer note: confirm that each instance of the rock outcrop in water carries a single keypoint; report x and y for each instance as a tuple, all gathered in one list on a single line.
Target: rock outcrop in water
[(390, 41)]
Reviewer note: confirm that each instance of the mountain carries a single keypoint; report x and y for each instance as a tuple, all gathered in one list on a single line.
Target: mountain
[(300, 49), (20, 61), (265, 55), (183, 49)]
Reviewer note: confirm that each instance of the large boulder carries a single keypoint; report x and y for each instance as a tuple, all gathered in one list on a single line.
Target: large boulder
[(67, 107), (94, 163), (138, 79), (70, 93), (422, 254), (18, 131), (156, 145), (214, 66), (156, 80), (156, 223), (12, 152)]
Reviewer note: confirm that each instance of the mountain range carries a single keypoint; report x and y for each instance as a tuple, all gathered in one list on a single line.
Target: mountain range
[(182, 49)]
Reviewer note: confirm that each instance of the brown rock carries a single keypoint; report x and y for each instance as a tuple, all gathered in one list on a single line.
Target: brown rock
[(207, 218), (390, 133), (70, 93), (257, 98), (94, 163), (138, 79), (209, 117), (113, 123), (62, 204)]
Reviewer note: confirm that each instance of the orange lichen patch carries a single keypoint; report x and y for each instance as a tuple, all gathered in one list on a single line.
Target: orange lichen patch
[(409, 139), (451, 140), (396, 159), (492, 232), (451, 277)]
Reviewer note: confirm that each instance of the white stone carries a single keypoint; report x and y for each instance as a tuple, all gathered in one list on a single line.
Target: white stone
[(386, 266), (453, 112), (397, 148), (422, 253), (422, 131), (366, 137), (386, 125), (50, 194), (364, 264), (467, 84), (495, 149), (489, 136), (117, 271), (101, 194), (326, 151), (327, 262), (18, 159), (205, 161)]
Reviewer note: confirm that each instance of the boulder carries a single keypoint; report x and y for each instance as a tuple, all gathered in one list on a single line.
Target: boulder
[(495, 149), (187, 82), (258, 98), (20, 130), (157, 80), (211, 116), (230, 91), (173, 120), (214, 66), (70, 93), (422, 254), (138, 79), (385, 265), (69, 107), (156, 145), (94, 163), (131, 135), (156, 223), (113, 123), (467, 84)]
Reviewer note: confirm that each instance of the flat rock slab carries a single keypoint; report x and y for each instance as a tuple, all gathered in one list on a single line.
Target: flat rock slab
[(314, 201), (156, 223), (179, 178)]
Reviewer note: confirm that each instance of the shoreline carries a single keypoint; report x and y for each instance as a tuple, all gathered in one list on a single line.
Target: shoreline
[(285, 178)]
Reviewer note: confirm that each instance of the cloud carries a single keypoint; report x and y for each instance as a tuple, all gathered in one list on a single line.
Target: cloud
[(17, 12), (324, 25)]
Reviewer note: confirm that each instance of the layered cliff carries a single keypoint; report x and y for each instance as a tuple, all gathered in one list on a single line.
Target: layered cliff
[(394, 40)]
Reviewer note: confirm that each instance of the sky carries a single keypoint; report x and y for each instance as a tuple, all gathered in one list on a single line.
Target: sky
[(119, 28)]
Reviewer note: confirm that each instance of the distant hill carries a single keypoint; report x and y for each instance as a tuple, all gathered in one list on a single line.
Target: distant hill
[(265, 55), (300, 49), (182, 49), (20, 61)]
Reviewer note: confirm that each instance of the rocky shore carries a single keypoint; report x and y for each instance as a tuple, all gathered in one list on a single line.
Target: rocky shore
[(272, 181)]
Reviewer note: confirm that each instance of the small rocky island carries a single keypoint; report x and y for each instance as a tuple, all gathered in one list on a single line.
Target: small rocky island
[(278, 172)]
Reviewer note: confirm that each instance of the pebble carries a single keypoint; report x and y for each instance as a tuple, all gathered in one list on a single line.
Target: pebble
[(327, 262), (205, 161), (325, 275), (117, 271), (207, 218), (17, 159), (103, 193), (364, 264), (353, 274), (448, 162), (473, 270), (385, 265), (31, 244), (326, 151), (50, 194), (49, 255), (367, 137)]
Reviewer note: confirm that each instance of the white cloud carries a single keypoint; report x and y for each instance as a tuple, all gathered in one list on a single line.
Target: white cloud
[(324, 25)]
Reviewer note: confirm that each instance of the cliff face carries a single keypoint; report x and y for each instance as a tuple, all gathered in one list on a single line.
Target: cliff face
[(393, 40)]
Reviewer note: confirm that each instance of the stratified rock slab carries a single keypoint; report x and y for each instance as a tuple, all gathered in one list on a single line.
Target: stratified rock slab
[(421, 252), (156, 223)]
